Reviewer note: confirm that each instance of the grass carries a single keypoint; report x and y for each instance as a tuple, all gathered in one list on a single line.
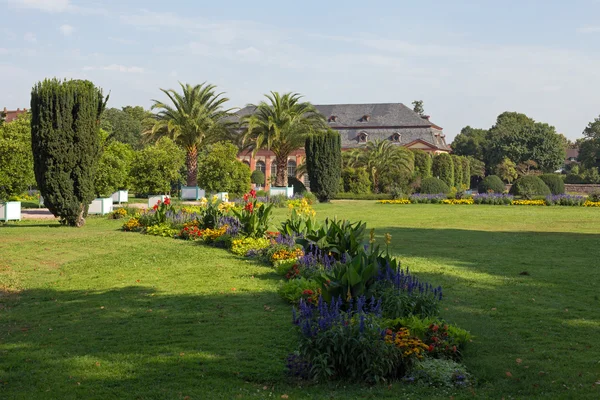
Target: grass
[(99, 313)]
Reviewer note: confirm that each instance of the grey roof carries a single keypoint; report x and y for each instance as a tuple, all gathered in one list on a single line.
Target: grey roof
[(384, 120)]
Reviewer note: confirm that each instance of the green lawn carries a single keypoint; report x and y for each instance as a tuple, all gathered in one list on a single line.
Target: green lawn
[(99, 313)]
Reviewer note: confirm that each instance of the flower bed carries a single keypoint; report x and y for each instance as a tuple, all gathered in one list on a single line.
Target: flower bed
[(358, 315), (495, 199)]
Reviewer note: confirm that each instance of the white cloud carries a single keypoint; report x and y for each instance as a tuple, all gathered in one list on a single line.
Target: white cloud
[(116, 68), (42, 5), (66, 30), (122, 40), (589, 29), (30, 37)]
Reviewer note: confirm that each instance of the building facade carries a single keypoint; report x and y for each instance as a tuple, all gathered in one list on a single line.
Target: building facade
[(359, 124), (11, 115)]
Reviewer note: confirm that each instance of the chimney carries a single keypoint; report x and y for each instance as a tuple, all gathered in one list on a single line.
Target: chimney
[(5, 109), (18, 110)]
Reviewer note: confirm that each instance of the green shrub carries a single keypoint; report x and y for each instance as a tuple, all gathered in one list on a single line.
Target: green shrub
[(594, 196), (555, 183), (529, 186), (434, 186), (356, 180), (443, 168), (257, 177), (466, 171), (156, 168), (65, 137), (292, 290), (219, 170), (282, 267), (323, 163), (440, 373), (247, 246), (113, 169), (491, 183), (423, 164), (16, 159)]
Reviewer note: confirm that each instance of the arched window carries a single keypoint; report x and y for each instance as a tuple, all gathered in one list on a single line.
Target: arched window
[(291, 166), (363, 137), (396, 137), (260, 166)]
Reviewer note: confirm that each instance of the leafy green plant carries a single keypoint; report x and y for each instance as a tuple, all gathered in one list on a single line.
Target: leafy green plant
[(443, 168), (163, 230), (555, 183), (440, 373), (594, 196), (337, 237), (294, 289), (248, 245)]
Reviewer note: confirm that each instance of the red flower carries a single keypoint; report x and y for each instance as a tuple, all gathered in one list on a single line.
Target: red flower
[(435, 328), (431, 348), (454, 349), (435, 339), (308, 292), (155, 207), (167, 201), (249, 207), (246, 197), (253, 193)]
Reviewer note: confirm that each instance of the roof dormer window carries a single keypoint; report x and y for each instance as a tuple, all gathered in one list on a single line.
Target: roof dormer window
[(365, 118), (396, 137), (333, 118), (363, 137)]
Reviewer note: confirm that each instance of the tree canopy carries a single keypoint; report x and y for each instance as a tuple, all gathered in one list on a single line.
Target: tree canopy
[(471, 142), (16, 158)]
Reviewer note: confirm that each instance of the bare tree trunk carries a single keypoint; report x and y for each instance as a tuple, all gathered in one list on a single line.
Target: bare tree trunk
[(80, 218), (191, 161), (281, 178)]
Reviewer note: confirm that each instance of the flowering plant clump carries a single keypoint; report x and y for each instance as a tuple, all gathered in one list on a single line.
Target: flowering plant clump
[(458, 201), (411, 347), (191, 233), (440, 343), (210, 235), (529, 202), (254, 218), (564, 200), (119, 213), (591, 204), (247, 245), (285, 254), (397, 201), (232, 223), (492, 198), (160, 211), (132, 225)]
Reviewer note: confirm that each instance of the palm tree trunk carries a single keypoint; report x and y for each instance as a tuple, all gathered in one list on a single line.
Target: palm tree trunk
[(191, 161), (281, 177)]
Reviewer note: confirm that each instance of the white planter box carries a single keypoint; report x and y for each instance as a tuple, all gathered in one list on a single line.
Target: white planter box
[(281, 191), (120, 196), (101, 206), (223, 196), (192, 193), (10, 211), (152, 200)]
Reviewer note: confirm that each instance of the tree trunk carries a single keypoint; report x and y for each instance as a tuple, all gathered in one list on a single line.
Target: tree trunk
[(191, 161), (281, 177)]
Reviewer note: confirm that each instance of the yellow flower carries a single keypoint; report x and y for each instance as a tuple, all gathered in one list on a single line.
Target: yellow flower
[(457, 201), (529, 202), (397, 201), (591, 204)]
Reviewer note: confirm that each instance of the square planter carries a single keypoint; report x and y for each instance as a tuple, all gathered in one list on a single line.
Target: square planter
[(101, 206), (223, 196), (120, 196), (192, 193), (10, 211), (152, 200), (281, 191)]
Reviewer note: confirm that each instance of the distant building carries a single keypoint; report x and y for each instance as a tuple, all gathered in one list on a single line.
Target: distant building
[(359, 124), (572, 155), (11, 115)]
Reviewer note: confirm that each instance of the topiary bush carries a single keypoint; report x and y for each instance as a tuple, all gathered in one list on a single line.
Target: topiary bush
[(443, 168), (491, 183), (257, 177), (434, 186), (324, 163), (529, 186), (554, 182), (356, 180), (423, 163), (458, 172)]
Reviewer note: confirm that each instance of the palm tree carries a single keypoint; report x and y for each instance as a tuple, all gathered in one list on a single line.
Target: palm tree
[(381, 157), (195, 118), (281, 125)]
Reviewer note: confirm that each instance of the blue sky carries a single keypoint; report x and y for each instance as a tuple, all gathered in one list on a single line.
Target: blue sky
[(467, 60)]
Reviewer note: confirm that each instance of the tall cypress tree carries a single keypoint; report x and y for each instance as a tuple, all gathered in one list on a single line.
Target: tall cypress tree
[(65, 133), (443, 168), (324, 163)]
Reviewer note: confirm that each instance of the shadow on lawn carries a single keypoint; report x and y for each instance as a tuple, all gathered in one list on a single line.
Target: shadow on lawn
[(135, 342)]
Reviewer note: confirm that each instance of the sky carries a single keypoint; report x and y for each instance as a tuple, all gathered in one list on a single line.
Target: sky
[(467, 60)]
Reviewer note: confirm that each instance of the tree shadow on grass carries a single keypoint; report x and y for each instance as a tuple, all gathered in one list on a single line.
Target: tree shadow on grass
[(136, 342)]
